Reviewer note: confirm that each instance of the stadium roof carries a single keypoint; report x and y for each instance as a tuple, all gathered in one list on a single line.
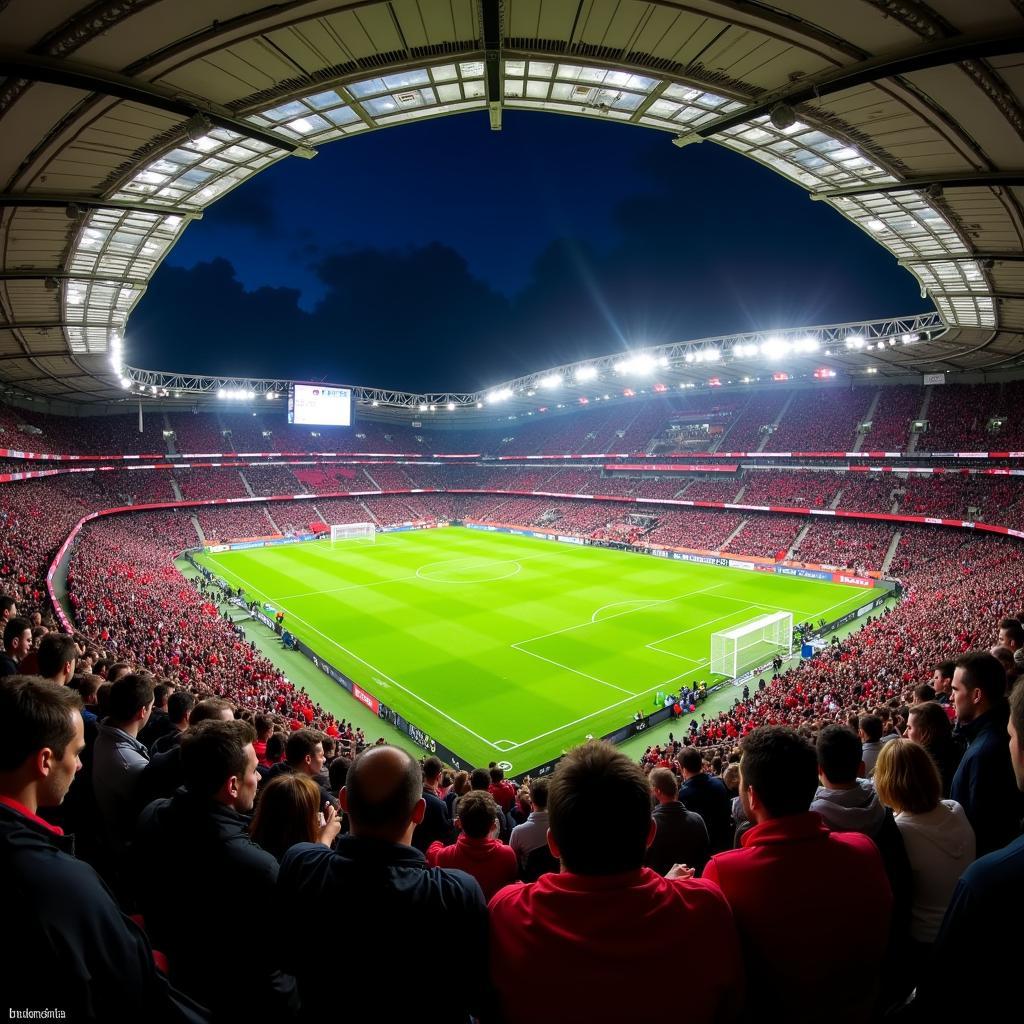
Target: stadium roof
[(122, 121)]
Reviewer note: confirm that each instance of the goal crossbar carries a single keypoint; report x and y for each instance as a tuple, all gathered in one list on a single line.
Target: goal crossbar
[(741, 647), (354, 531)]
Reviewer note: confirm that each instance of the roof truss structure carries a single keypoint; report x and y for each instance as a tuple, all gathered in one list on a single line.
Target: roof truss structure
[(121, 126)]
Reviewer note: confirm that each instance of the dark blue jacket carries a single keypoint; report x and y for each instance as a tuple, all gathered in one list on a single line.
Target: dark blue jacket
[(436, 824), (708, 796), (984, 784), (403, 913), (984, 915), (205, 890), (68, 944)]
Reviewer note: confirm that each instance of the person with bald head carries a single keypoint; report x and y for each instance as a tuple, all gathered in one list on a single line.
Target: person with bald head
[(375, 876)]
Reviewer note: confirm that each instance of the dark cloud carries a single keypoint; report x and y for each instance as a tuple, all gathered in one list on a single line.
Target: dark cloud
[(551, 245), (251, 207)]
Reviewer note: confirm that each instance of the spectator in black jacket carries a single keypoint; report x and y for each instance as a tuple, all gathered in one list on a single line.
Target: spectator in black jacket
[(17, 643), (382, 882), (304, 753), (159, 723), (71, 947), (682, 837), (984, 784), (707, 796), (195, 842), (435, 825)]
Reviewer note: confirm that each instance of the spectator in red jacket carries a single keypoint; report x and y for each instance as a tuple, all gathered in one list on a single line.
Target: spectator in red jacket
[(477, 851), (501, 789), (793, 882), (590, 938)]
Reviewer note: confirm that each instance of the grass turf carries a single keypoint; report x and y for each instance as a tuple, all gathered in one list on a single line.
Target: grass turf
[(509, 648)]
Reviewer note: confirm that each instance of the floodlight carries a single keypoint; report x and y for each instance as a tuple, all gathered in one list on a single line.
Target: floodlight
[(375, 403), (451, 406), (908, 338), (808, 344), (782, 116), (774, 347), (876, 225), (552, 380), (711, 355), (197, 126), (125, 382), (586, 373), (423, 407), (690, 357)]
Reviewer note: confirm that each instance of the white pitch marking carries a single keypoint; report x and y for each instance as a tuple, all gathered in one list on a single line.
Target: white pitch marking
[(352, 654), (567, 668)]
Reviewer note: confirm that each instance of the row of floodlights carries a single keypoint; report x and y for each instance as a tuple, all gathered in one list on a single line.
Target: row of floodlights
[(244, 394), (639, 365)]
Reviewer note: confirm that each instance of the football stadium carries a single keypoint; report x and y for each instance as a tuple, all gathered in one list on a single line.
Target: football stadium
[(664, 595)]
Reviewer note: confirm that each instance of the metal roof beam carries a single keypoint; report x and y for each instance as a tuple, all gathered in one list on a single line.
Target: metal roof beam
[(933, 183), (69, 202), (491, 29), (32, 274), (73, 75), (948, 51)]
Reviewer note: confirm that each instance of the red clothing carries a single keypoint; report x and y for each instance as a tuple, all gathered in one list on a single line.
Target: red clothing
[(504, 794), (811, 905), (591, 947), (489, 861)]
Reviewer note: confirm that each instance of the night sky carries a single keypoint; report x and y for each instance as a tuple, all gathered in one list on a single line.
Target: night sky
[(442, 255)]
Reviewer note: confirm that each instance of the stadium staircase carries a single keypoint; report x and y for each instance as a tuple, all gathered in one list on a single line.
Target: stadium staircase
[(868, 417), (835, 501), (775, 423), (198, 529), (245, 484), (725, 543), (682, 490), (273, 522), (177, 489), (723, 442), (797, 541), (921, 415), (891, 553)]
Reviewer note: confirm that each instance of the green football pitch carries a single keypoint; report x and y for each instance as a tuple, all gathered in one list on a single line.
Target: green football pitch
[(508, 648)]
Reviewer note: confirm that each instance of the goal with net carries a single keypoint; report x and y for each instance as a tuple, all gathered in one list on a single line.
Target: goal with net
[(354, 531), (735, 650)]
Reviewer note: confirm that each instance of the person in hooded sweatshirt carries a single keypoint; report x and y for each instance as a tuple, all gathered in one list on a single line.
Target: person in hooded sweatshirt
[(493, 864), (939, 839)]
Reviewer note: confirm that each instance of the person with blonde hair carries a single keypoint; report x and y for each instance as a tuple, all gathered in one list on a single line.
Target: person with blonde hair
[(289, 812), (938, 837)]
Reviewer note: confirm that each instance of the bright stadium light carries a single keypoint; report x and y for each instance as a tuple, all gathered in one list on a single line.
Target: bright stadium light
[(909, 338), (423, 406), (855, 341), (774, 347), (586, 373), (451, 406), (711, 355), (807, 344), (552, 380), (690, 357)]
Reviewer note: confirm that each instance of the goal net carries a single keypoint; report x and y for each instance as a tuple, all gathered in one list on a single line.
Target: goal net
[(354, 531), (735, 650)]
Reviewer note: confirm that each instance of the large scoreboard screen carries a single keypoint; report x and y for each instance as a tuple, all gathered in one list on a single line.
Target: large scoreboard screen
[(320, 405)]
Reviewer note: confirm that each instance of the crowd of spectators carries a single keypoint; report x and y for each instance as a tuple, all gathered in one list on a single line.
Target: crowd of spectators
[(749, 425), (203, 484), (858, 544), (824, 420), (230, 521), (803, 489), (767, 536), (268, 480), (890, 425)]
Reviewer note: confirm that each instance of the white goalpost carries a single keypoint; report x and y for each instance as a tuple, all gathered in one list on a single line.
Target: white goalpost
[(735, 650), (354, 531)]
